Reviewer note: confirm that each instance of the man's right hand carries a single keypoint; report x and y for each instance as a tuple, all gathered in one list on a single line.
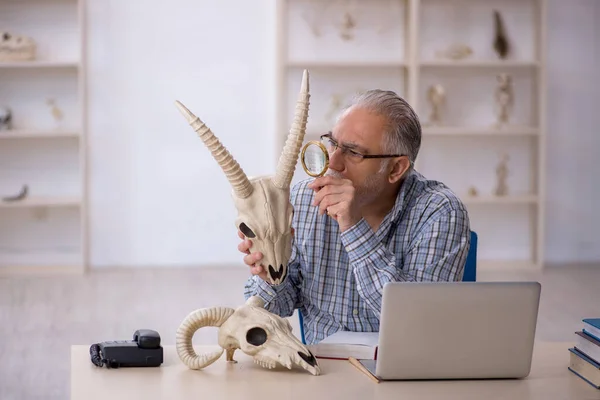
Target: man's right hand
[(252, 259)]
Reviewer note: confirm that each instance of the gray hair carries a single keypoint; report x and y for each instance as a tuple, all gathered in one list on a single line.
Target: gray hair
[(403, 134)]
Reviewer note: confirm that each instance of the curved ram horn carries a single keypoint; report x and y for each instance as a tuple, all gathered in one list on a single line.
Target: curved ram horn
[(236, 176), (289, 155), (195, 320)]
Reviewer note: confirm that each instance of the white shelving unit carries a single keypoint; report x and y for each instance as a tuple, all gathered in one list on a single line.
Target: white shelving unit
[(395, 44), (46, 232)]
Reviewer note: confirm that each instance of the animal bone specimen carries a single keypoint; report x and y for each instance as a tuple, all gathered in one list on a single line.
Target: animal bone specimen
[(502, 174), (55, 110), (20, 196), (265, 336), (437, 97), (5, 119), (455, 52), (16, 47), (500, 41), (263, 203), (504, 99)]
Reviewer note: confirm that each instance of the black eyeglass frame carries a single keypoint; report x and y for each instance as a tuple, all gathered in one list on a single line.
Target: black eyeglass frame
[(356, 153)]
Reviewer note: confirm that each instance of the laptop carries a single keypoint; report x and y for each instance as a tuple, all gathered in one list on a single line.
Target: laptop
[(456, 330)]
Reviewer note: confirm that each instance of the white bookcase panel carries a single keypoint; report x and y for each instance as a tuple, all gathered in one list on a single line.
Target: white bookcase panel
[(333, 87), (54, 25), (504, 226), (373, 31), (49, 167), (45, 148), (470, 97), (411, 55), (27, 92), (444, 159), (40, 237), (471, 22)]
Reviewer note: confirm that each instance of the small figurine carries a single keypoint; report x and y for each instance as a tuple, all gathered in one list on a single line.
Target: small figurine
[(473, 191), (5, 119), (348, 25), (502, 174), (437, 97), (504, 99), (56, 112), (500, 41)]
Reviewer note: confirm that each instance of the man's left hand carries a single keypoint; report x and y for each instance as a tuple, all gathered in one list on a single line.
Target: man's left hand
[(336, 197)]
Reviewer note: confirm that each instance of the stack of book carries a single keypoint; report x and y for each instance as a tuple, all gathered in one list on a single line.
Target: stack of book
[(585, 356)]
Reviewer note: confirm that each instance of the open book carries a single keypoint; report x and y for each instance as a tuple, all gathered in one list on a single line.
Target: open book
[(344, 344)]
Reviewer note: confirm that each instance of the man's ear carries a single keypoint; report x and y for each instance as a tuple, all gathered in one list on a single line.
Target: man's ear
[(399, 167)]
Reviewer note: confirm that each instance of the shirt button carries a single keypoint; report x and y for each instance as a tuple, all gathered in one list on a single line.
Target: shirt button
[(355, 312), (270, 293)]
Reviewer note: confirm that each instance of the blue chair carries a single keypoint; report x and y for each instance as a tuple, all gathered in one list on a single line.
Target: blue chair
[(469, 275)]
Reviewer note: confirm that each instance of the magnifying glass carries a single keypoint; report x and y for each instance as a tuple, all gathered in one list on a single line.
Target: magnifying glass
[(315, 158)]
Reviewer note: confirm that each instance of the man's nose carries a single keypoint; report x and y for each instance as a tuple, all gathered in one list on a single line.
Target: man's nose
[(336, 160)]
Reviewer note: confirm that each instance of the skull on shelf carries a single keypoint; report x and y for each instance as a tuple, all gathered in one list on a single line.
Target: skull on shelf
[(16, 47)]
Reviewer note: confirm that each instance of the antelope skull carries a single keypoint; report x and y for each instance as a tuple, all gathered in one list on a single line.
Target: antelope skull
[(263, 203), (257, 332)]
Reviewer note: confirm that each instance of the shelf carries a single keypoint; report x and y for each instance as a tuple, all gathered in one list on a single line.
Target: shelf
[(40, 270), (346, 64), (479, 131), (478, 64), (518, 199), (39, 64), (31, 134), (35, 202)]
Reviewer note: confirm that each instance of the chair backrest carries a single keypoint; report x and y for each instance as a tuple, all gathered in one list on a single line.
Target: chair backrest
[(469, 275), (470, 272)]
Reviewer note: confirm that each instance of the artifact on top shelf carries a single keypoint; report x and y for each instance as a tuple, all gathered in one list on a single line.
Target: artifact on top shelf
[(501, 44), (336, 104), (502, 174), (18, 197), (504, 99), (5, 119), (347, 26), (264, 336), (16, 47), (473, 191), (455, 51), (56, 112), (264, 210), (437, 97)]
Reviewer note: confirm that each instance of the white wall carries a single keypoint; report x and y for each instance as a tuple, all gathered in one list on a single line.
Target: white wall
[(158, 197), (573, 132)]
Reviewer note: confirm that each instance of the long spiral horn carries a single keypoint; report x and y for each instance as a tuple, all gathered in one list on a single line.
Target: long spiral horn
[(195, 320), (235, 174), (289, 155)]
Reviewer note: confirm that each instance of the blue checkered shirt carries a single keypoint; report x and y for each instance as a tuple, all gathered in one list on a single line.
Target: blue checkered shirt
[(336, 279)]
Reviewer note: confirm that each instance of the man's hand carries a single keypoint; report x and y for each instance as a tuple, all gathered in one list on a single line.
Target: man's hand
[(335, 196), (252, 259)]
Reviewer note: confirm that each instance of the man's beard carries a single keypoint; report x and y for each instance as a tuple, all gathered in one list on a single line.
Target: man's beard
[(369, 190)]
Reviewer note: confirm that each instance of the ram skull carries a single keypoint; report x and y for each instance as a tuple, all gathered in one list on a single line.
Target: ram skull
[(265, 336), (263, 203)]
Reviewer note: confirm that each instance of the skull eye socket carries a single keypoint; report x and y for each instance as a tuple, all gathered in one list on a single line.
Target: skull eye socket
[(256, 336), (247, 231)]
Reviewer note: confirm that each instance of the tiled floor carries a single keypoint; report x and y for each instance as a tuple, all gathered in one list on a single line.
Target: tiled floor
[(41, 317)]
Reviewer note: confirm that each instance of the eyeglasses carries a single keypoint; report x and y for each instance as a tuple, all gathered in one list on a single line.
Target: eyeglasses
[(351, 155)]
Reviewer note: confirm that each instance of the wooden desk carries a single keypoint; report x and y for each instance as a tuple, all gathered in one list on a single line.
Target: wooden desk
[(549, 379)]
